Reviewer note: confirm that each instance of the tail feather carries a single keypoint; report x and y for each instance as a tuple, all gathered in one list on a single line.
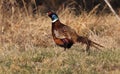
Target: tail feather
[(88, 42), (96, 47), (97, 44)]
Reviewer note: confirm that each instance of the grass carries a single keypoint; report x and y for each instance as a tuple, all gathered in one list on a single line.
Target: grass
[(53, 60), (27, 47)]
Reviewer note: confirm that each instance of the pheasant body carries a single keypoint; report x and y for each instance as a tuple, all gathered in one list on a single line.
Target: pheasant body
[(60, 37), (65, 36)]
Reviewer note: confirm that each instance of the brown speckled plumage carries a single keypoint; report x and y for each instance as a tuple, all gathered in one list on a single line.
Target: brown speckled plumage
[(65, 36)]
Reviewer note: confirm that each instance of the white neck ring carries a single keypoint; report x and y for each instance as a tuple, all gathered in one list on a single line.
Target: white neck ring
[(54, 20)]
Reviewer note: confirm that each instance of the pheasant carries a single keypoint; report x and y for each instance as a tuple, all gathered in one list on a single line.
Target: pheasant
[(65, 36)]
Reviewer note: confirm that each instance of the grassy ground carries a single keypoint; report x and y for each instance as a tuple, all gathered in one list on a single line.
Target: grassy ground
[(53, 60), (27, 47)]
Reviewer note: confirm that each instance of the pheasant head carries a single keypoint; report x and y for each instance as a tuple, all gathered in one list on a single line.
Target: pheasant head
[(53, 16)]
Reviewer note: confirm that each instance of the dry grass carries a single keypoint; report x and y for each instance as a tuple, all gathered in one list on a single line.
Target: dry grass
[(26, 44)]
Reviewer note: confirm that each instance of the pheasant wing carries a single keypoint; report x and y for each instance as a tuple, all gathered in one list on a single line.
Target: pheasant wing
[(68, 32)]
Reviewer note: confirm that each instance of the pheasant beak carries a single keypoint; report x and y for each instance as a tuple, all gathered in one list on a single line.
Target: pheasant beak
[(48, 13)]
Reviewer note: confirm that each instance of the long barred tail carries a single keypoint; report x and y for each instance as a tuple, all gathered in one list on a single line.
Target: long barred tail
[(88, 42), (96, 45)]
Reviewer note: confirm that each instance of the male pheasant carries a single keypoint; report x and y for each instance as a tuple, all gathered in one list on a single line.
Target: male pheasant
[(65, 36)]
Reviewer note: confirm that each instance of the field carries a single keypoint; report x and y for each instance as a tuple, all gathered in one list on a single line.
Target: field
[(27, 47)]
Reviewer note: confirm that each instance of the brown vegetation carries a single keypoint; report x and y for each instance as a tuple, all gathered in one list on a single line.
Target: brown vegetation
[(19, 28), (22, 31)]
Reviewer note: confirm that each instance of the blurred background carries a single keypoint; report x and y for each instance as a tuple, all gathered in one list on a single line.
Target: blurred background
[(78, 6), (88, 17)]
